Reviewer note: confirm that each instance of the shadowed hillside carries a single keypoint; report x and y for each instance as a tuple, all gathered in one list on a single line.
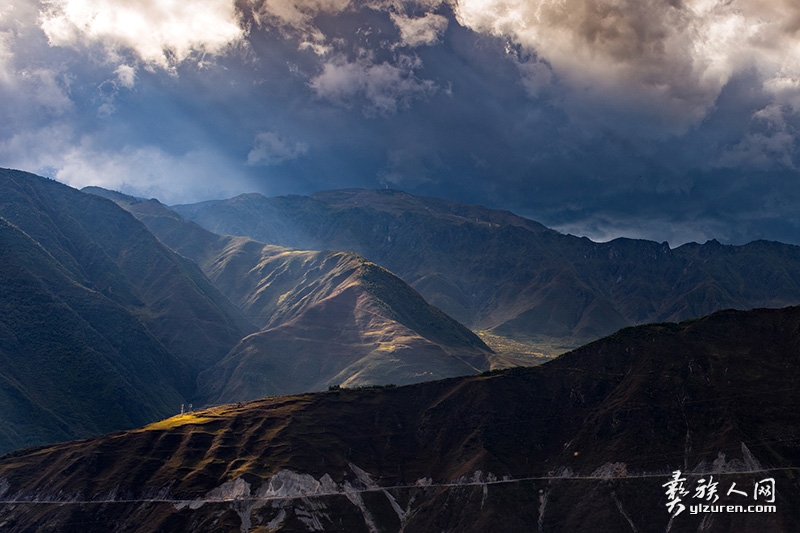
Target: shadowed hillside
[(73, 363), (109, 251), (102, 327), (583, 443)]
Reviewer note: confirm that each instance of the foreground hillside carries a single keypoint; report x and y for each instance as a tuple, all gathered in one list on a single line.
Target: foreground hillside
[(586, 442), (493, 270)]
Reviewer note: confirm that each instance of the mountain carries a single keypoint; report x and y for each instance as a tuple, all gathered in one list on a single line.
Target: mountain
[(587, 442), (73, 362), (513, 278), (326, 318), (106, 249), (102, 327), (341, 321)]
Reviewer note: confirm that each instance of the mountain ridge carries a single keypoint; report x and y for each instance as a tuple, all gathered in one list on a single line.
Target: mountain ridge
[(492, 270), (585, 442), (67, 371)]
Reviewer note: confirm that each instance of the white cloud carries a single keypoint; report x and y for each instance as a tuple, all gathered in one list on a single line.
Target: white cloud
[(31, 87), (271, 149), (665, 62), (16, 16), (297, 17), (417, 31), (147, 171), (384, 86), (48, 90), (126, 76), (297, 13), (160, 32), (37, 149), (6, 56), (108, 91)]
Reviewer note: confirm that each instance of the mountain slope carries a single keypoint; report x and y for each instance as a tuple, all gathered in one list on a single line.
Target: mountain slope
[(102, 327), (326, 318), (586, 442), (73, 362), (106, 249), (492, 270), (339, 320)]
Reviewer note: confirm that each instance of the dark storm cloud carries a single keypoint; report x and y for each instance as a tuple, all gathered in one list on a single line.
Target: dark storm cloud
[(672, 120)]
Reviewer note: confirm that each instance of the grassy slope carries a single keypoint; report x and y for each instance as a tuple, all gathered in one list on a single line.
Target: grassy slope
[(73, 362), (106, 249)]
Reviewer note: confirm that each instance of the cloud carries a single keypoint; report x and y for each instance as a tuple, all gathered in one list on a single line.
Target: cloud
[(48, 90), (418, 31), (80, 160), (37, 149), (160, 32), (296, 18), (150, 172), (33, 96), (297, 14), (604, 117), (6, 56), (664, 62), (773, 147), (31, 88), (384, 87), (16, 16), (126, 76), (416, 21), (108, 90), (271, 149)]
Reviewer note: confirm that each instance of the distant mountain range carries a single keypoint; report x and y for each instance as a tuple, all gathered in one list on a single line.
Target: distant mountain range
[(492, 270), (585, 443)]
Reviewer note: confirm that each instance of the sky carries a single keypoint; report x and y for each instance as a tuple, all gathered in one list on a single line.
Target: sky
[(670, 120)]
